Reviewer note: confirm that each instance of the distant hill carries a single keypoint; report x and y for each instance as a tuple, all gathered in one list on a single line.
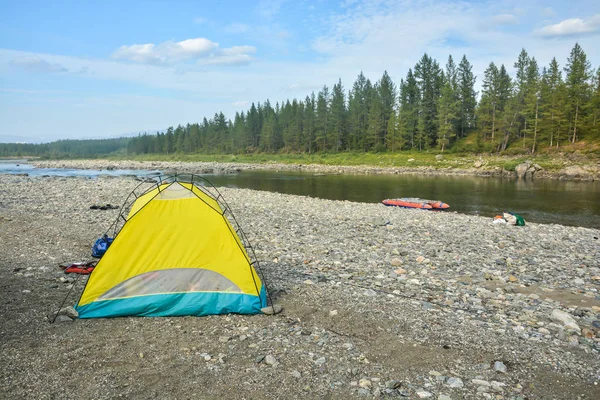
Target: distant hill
[(18, 139), (34, 140), (68, 148)]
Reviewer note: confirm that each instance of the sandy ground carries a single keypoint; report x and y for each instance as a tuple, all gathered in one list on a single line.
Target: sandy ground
[(378, 303)]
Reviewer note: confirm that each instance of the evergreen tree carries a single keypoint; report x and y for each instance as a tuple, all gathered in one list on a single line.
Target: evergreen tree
[(358, 111), (253, 127), (322, 119), (553, 107), (387, 95), (268, 134), (169, 141), (376, 126), (338, 118), (531, 103), (466, 96), (239, 132), (428, 76), (394, 139), (409, 108), (577, 76), (447, 113), (488, 106), (308, 136)]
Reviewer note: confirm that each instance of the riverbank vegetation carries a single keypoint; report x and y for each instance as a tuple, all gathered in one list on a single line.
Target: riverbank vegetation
[(524, 112)]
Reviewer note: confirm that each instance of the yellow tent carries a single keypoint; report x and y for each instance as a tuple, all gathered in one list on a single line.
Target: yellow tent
[(176, 254)]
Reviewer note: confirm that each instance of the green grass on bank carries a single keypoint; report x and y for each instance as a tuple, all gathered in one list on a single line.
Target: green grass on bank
[(414, 159)]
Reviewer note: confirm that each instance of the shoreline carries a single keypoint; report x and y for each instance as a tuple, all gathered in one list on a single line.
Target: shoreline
[(527, 170), (377, 301)]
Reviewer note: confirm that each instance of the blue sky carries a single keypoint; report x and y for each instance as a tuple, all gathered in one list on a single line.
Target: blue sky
[(78, 69)]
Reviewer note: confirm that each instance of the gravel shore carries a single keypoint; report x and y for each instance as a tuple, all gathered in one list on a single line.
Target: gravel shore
[(378, 302), (528, 170)]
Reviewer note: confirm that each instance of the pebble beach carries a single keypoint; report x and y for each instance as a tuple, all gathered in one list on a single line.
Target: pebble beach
[(378, 302)]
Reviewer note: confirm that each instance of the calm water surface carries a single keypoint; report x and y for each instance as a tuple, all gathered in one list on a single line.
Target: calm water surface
[(567, 203), (560, 202)]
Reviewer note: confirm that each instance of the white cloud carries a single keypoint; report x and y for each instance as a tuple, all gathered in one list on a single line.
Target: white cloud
[(571, 27), (237, 27), (269, 8), (201, 49), (199, 20), (241, 104), (34, 63), (166, 52), (504, 19), (235, 55)]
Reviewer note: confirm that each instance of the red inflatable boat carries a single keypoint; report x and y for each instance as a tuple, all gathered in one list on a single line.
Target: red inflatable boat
[(416, 203)]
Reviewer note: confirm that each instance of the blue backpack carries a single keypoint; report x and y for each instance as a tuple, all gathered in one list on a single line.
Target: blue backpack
[(100, 246)]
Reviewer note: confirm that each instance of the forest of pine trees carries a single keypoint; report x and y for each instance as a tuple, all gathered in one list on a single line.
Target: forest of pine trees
[(431, 108)]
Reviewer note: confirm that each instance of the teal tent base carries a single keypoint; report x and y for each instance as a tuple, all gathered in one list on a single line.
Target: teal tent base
[(176, 304)]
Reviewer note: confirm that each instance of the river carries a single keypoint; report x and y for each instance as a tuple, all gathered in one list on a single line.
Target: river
[(542, 201)]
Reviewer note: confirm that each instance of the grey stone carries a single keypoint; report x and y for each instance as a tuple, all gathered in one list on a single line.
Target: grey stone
[(270, 360), (525, 170), (574, 171), (364, 382), (393, 384), (320, 361), (63, 318), (423, 394), (454, 383), (566, 319), (498, 386), (69, 312), (499, 367), (272, 310)]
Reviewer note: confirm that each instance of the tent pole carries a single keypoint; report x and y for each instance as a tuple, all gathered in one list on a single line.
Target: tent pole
[(65, 299)]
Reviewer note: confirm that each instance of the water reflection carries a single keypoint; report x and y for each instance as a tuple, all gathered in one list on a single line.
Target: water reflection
[(567, 203)]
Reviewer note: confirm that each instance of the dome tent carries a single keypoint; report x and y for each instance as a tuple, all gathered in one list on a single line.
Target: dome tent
[(177, 250)]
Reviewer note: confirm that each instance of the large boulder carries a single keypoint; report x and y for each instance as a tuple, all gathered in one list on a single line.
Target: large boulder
[(526, 170), (576, 172)]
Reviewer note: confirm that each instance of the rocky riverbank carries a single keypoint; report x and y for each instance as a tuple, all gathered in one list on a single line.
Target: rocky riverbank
[(526, 170), (378, 302)]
